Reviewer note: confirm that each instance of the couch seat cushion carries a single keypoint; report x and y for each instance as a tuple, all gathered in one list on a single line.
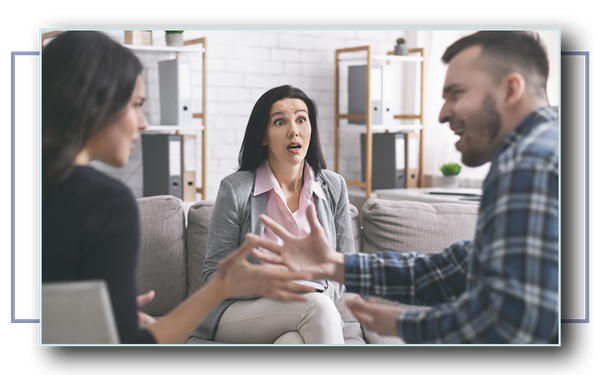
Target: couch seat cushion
[(406, 226)]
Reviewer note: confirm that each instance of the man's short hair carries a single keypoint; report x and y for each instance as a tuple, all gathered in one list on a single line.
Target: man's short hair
[(505, 52)]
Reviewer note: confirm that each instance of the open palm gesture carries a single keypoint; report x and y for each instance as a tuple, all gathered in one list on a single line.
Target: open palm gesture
[(311, 253)]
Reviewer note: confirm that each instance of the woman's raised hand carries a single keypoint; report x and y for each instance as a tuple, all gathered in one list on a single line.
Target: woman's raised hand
[(238, 277)]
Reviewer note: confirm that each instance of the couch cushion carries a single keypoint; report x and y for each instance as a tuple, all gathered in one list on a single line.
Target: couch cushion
[(356, 228), (162, 260), (352, 330), (197, 233), (406, 226)]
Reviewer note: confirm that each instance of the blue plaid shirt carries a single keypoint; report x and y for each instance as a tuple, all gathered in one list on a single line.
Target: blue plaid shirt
[(502, 287)]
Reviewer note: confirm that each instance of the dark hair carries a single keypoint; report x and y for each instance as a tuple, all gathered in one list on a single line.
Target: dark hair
[(253, 153), (87, 79), (504, 52)]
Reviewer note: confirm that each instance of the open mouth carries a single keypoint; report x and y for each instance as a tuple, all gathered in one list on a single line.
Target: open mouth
[(294, 146), (458, 130)]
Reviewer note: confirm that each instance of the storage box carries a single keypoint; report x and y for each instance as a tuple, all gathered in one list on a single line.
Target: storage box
[(137, 37)]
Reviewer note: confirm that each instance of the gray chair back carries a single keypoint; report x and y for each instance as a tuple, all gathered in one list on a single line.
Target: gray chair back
[(77, 312)]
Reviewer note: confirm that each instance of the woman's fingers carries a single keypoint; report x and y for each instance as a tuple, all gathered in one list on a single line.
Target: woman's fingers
[(268, 245), (276, 228), (268, 257), (145, 298)]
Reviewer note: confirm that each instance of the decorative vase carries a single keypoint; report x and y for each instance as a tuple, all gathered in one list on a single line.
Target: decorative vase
[(401, 50), (174, 39), (450, 182)]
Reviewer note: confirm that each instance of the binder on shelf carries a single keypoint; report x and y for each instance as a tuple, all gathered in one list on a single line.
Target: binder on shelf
[(175, 86), (412, 160), (381, 94), (189, 167), (388, 158), (162, 161)]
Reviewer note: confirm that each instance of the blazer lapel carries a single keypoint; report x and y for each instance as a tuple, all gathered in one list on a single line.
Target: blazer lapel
[(325, 213), (258, 206)]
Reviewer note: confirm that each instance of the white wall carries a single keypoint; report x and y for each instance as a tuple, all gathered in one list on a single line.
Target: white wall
[(243, 64)]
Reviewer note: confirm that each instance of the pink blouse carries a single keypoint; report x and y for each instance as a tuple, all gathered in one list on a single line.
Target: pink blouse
[(294, 222), (277, 209)]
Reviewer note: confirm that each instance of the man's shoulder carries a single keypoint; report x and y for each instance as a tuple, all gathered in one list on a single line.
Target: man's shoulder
[(537, 146), (540, 145)]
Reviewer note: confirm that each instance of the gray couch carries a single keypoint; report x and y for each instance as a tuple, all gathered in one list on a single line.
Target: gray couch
[(172, 249)]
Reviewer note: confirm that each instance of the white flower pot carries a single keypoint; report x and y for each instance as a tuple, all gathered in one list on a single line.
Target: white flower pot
[(174, 40), (450, 182), (400, 50)]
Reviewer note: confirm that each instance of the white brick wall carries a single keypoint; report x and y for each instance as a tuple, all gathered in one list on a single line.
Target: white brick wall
[(242, 65)]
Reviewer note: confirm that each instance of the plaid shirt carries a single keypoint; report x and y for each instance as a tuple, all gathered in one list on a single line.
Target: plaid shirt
[(502, 287)]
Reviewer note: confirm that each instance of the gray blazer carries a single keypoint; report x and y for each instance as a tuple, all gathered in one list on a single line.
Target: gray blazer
[(236, 213)]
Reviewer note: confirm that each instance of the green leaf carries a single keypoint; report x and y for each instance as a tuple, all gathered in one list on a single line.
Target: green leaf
[(450, 169)]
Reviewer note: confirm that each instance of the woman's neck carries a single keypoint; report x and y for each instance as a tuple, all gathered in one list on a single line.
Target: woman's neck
[(291, 179), (83, 158)]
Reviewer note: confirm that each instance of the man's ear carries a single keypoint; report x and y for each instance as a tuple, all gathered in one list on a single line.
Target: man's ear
[(514, 89)]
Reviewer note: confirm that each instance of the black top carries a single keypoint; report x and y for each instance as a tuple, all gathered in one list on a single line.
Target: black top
[(90, 230)]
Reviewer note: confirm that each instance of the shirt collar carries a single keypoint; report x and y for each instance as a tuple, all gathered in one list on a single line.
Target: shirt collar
[(526, 125), (265, 180)]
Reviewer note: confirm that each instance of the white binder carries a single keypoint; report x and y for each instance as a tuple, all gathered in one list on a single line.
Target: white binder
[(175, 84)]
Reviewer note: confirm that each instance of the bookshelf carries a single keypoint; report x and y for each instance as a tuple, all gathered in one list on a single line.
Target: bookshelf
[(349, 55)]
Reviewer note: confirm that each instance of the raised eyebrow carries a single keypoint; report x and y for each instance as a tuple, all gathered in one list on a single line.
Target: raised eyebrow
[(278, 113), (283, 113)]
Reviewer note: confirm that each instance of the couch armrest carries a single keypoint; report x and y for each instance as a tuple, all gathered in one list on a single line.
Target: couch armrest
[(162, 257), (197, 234)]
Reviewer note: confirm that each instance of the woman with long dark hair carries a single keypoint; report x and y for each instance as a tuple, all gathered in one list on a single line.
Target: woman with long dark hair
[(92, 93), (281, 173)]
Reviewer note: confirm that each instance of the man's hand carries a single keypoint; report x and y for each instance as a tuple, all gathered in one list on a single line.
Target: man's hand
[(311, 253), (236, 277), (377, 318)]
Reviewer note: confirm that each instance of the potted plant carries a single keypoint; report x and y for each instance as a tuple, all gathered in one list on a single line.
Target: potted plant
[(450, 171), (400, 49), (174, 38)]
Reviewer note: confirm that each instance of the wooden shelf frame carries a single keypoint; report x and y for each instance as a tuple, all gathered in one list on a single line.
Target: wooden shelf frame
[(368, 117)]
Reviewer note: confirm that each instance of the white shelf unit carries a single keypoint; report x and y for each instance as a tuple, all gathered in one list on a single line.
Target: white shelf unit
[(344, 55), (192, 47)]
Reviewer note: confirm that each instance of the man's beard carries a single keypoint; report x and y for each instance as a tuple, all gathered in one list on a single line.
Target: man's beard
[(490, 124)]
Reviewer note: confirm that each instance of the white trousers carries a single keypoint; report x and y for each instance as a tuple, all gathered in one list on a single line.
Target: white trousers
[(265, 321)]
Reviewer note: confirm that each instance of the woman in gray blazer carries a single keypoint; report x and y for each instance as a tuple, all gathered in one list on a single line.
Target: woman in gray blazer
[(281, 172)]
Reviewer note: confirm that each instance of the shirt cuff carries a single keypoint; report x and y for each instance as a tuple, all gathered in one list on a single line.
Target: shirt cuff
[(352, 273)]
